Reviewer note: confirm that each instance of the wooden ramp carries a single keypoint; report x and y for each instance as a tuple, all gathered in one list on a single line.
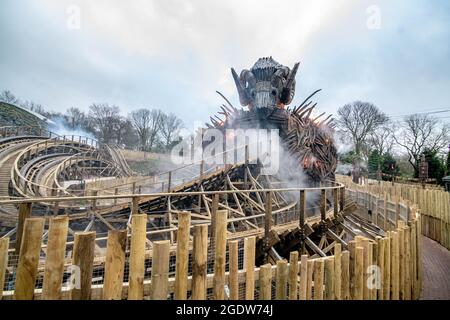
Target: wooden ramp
[(436, 271)]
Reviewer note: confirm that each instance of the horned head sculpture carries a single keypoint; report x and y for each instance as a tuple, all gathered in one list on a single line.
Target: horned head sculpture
[(267, 84)]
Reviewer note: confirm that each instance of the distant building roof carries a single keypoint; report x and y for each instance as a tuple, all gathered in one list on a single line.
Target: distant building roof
[(446, 179)]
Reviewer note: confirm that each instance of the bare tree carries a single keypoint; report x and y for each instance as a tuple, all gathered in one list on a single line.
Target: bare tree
[(418, 133), (170, 126), (75, 118), (359, 120), (141, 120), (102, 118), (155, 127), (8, 97), (382, 138)]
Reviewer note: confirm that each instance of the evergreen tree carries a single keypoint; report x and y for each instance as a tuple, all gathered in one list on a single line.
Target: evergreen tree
[(375, 159), (436, 167), (448, 163)]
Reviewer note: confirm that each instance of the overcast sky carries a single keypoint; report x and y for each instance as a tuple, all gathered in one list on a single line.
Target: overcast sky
[(173, 55)]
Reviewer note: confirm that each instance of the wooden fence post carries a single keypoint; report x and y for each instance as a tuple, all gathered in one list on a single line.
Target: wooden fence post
[(24, 213), (395, 280), (54, 261), (249, 267), (233, 251), (337, 271), (359, 274), (318, 278), (134, 205), (345, 283), (83, 258), (265, 282), (293, 275), (303, 276), (352, 265), (114, 264), (4, 245), (160, 270), (402, 256), (309, 279), (220, 252), (199, 262), (387, 268), (137, 257), (29, 258), (407, 247), (329, 278), (380, 263), (182, 258), (281, 280)]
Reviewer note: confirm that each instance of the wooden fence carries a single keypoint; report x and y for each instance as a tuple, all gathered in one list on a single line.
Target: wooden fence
[(385, 268), (433, 204)]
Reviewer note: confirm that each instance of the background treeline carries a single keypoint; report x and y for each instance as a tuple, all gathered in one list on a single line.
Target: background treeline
[(394, 144), (144, 129)]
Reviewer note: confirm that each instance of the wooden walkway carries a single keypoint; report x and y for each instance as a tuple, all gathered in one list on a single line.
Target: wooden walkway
[(436, 271)]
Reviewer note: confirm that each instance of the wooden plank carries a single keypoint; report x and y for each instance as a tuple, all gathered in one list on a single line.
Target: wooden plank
[(265, 282), (182, 258), (337, 272), (4, 245), (137, 257), (407, 247), (28, 258), (220, 240), (160, 270), (233, 251), (293, 275), (281, 280), (249, 267), (345, 272), (303, 276), (319, 266), (114, 264), (54, 260), (24, 213), (83, 258)]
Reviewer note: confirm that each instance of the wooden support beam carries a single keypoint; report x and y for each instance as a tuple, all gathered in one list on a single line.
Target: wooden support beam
[(83, 259), (314, 247), (114, 264), (54, 260)]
